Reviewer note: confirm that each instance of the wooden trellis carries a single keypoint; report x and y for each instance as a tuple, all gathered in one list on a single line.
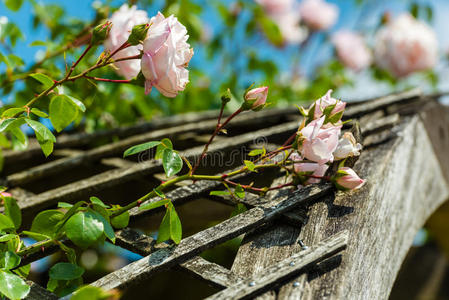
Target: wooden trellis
[(294, 243)]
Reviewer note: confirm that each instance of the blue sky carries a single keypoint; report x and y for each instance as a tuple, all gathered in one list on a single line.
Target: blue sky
[(366, 16)]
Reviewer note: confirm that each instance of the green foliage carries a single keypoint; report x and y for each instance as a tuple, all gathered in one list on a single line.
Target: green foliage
[(13, 5), (171, 162), (89, 292), (12, 211), (62, 112), (239, 208), (85, 228), (45, 222), (65, 271), (12, 286), (139, 148), (170, 227), (239, 191)]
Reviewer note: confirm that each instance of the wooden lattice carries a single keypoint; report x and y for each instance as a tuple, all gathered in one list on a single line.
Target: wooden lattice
[(293, 242)]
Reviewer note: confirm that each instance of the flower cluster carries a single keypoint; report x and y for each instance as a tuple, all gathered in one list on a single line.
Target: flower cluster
[(165, 51), (318, 143)]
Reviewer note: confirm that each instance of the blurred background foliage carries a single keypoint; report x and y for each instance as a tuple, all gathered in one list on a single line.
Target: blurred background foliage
[(236, 44)]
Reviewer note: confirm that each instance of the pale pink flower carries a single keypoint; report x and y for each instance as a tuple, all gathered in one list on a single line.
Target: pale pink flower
[(313, 168), (347, 147), (257, 97), (284, 14), (319, 143), (5, 194), (325, 101), (166, 56), (406, 45), (350, 180), (123, 21), (318, 14), (352, 50)]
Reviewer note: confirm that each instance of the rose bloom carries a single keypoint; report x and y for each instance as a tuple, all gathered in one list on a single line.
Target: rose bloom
[(349, 181), (123, 21), (352, 50), (319, 143), (318, 14), (316, 169), (283, 13), (347, 147), (324, 102), (166, 56), (406, 45), (258, 95)]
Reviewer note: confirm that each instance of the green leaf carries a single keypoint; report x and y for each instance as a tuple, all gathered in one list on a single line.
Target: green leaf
[(97, 201), (68, 214), (239, 208), (84, 228), (175, 226), (39, 113), (46, 145), (140, 148), (7, 237), (89, 292), (44, 79), (62, 112), (250, 165), (335, 117), (164, 228), (120, 221), (239, 191), (38, 43), (23, 271), (154, 204), (256, 152), (65, 271), (12, 286), (64, 205), (219, 193), (165, 144), (12, 210), (108, 230), (13, 5), (69, 252), (5, 223), (20, 136), (40, 129), (80, 105), (45, 222), (36, 236), (11, 112), (9, 260), (171, 162), (9, 124)]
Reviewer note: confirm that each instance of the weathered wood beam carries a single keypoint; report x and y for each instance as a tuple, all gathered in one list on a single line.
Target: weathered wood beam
[(195, 244), (279, 272)]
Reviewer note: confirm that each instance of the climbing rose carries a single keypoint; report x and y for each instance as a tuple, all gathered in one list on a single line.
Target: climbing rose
[(350, 180), (406, 45), (319, 143), (123, 21), (316, 169), (352, 50), (283, 14), (318, 14), (347, 146), (325, 101), (257, 97), (166, 56)]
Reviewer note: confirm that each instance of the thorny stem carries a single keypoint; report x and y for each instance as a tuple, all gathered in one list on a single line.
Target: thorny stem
[(108, 80), (217, 130)]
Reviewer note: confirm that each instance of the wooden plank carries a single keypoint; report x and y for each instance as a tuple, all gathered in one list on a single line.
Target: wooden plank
[(275, 274), (195, 244), (39, 293), (405, 184), (119, 176)]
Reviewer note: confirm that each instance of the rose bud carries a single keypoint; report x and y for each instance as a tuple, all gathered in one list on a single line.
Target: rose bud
[(320, 105), (100, 33), (5, 194), (347, 146), (312, 169), (347, 179), (255, 99), (138, 34)]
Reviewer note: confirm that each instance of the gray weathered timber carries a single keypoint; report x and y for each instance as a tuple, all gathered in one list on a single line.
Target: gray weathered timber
[(276, 273), (39, 293), (406, 181), (195, 244), (112, 177)]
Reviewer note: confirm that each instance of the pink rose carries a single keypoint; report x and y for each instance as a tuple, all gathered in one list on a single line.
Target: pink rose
[(314, 168), (123, 21), (347, 146), (284, 14), (352, 50), (406, 45), (257, 97), (319, 143), (318, 14), (325, 101), (5, 194), (349, 179), (166, 56)]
